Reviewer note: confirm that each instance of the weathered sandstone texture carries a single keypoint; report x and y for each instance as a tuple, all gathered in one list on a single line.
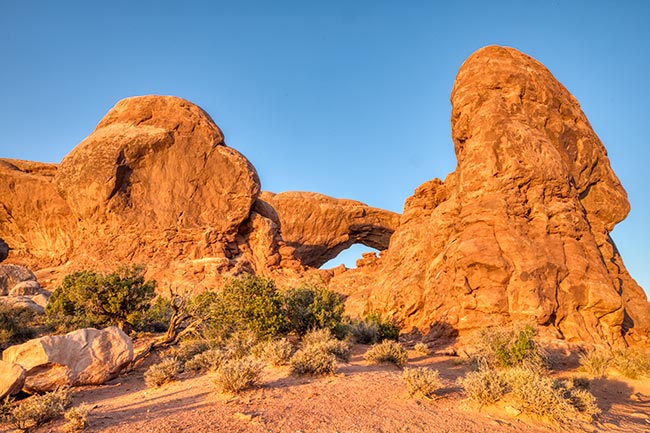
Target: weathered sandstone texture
[(520, 230), (12, 378), (83, 357)]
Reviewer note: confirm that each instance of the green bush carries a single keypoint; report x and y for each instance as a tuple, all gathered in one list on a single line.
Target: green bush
[(39, 409), (422, 381), (312, 307), (313, 360), (388, 330), (364, 332), (237, 375), (387, 351), (167, 370), (501, 347), (249, 303), (88, 298)]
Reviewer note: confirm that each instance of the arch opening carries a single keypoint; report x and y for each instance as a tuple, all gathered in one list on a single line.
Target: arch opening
[(349, 256)]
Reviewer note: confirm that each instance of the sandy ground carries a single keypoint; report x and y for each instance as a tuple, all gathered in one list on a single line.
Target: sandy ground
[(359, 398)]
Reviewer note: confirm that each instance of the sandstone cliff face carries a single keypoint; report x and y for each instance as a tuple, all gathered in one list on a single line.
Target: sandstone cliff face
[(520, 230), (156, 184)]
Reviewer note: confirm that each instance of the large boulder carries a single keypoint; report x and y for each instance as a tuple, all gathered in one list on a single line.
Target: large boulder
[(12, 378), (319, 227), (520, 231), (83, 357), (14, 275)]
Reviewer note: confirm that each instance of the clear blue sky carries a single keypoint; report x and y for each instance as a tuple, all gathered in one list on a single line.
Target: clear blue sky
[(346, 98)]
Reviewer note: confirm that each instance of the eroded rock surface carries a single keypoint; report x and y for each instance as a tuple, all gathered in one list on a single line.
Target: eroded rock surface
[(520, 230), (319, 227), (83, 357), (12, 378)]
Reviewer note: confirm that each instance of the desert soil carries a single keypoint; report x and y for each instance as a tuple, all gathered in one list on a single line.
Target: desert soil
[(359, 398)]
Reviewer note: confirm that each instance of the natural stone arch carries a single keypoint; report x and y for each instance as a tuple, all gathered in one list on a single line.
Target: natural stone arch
[(319, 227)]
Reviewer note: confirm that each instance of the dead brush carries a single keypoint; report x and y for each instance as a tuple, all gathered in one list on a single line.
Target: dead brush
[(237, 375), (39, 409), (387, 352), (422, 381), (596, 361), (165, 371)]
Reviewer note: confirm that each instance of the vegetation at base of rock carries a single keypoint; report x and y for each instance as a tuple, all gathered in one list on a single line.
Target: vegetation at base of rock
[(505, 347), (39, 409), (249, 303), (16, 325), (91, 299), (633, 363), (421, 348), (313, 307), (237, 375), (596, 361), (167, 370), (77, 418), (373, 329), (422, 381), (387, 352), (312, 360)]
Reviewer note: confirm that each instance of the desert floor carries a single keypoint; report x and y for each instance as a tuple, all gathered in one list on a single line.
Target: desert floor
[(359, 398)]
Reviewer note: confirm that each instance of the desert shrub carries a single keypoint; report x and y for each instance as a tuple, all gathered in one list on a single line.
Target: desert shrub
[(422, 381), (77, 418), (632, 363), (540, 395), (16, 325), (88, 298), (39, 409), (312, 307), (364, 332), (485, 386), (421, 348), (388, 330), (210, 360), (163, 372), (241, 344), (501, 347), (155, 318), (323, 339), (248, 303), (6, 406), (188, 348), (237, 375), (596, 361), (276, 352), (312, 360), (388, 351)]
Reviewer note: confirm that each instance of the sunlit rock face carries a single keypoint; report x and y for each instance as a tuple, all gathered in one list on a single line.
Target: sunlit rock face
[(520, 230)]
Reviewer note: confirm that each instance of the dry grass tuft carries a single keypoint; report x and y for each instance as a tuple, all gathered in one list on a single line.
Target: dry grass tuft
[(39, 409), (237, 375), (165, 371), (388, 351), (422, 381)]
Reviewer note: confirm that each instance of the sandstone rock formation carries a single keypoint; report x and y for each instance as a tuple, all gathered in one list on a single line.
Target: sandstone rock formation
[(83, 357), (19, 288), (12, 378), (319, 227), (520, 230)]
